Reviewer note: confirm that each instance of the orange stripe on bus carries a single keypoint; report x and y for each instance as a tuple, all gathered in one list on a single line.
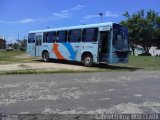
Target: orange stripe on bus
[(56, 51)]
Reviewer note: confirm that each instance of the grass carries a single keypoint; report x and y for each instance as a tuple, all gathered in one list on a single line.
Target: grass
[(9, 57), (144, 62), (135, 63), (31, 71)]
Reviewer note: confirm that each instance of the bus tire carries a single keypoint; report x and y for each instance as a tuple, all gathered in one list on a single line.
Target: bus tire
[(45, 56), (88, 60)]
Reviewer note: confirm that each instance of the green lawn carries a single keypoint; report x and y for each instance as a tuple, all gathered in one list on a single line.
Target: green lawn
[(9, 57), (144, 62)]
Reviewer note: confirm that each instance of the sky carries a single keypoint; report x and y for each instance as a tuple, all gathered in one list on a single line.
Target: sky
[(18, 17)]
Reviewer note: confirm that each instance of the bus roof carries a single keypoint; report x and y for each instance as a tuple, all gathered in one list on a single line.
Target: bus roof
[(109, 24)]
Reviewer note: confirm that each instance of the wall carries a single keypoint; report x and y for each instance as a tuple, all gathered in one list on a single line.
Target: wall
[(153, 51), (2, 44)]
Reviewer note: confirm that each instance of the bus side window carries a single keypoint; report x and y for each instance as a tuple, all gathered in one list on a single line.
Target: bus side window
[(50, 37), (38, 40), (31, 38), (44, 37), (54, 36), (62, 36), (75, 35), (90, 35)]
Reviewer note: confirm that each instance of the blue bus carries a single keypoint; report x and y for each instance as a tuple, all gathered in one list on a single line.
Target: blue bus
[(93, 43)]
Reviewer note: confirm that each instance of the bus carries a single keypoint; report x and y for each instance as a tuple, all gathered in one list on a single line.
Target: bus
[(92, 43)]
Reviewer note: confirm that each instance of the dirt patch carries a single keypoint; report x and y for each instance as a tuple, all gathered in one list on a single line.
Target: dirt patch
[(27, 64), (23, 56), (41, 66), (10, 67)]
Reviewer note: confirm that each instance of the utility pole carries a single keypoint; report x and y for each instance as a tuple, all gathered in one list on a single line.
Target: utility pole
[(18, 37), (18, 41), (101, 15)]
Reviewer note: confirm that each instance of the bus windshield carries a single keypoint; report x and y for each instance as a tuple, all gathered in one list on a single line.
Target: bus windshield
[(120, 37)]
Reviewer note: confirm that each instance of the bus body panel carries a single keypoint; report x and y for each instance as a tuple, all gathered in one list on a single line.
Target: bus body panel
[(75, 51), (31, 49), (115, 59), (91, 48), (105, 25), (49, 48), (63, 51), (70, 51), (31, 44)]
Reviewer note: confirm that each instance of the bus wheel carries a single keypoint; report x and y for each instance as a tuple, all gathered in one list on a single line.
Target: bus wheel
[(88, 60), (45, 56)]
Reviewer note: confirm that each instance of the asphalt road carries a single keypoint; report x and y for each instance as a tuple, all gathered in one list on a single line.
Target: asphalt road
[(113, 92)]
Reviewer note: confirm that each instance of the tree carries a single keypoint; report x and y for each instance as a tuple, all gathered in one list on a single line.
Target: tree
[(143, 29), (157, 32), (23, 45), (15, 46), (132, 30)]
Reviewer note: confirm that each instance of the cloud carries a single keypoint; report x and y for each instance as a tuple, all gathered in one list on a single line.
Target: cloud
[(23, 21), (88, 17), (107, 14), (78, 7), (66, 13), (110, 14), (60, 15), (28, 20), (55, 16), (7, 22)]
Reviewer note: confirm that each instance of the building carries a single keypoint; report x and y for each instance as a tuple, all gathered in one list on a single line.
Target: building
[(138, 50), (153, 51), (2, 43)]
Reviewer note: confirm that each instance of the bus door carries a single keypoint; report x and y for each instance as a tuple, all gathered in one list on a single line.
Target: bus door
[(38, 50), (104, 46), (31, 44)]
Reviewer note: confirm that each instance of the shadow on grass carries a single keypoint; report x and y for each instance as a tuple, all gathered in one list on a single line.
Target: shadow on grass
[(100, 66), (117, 67)]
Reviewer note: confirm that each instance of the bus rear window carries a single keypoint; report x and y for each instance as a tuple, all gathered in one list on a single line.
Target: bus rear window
[(31, 38), (90, 35)]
